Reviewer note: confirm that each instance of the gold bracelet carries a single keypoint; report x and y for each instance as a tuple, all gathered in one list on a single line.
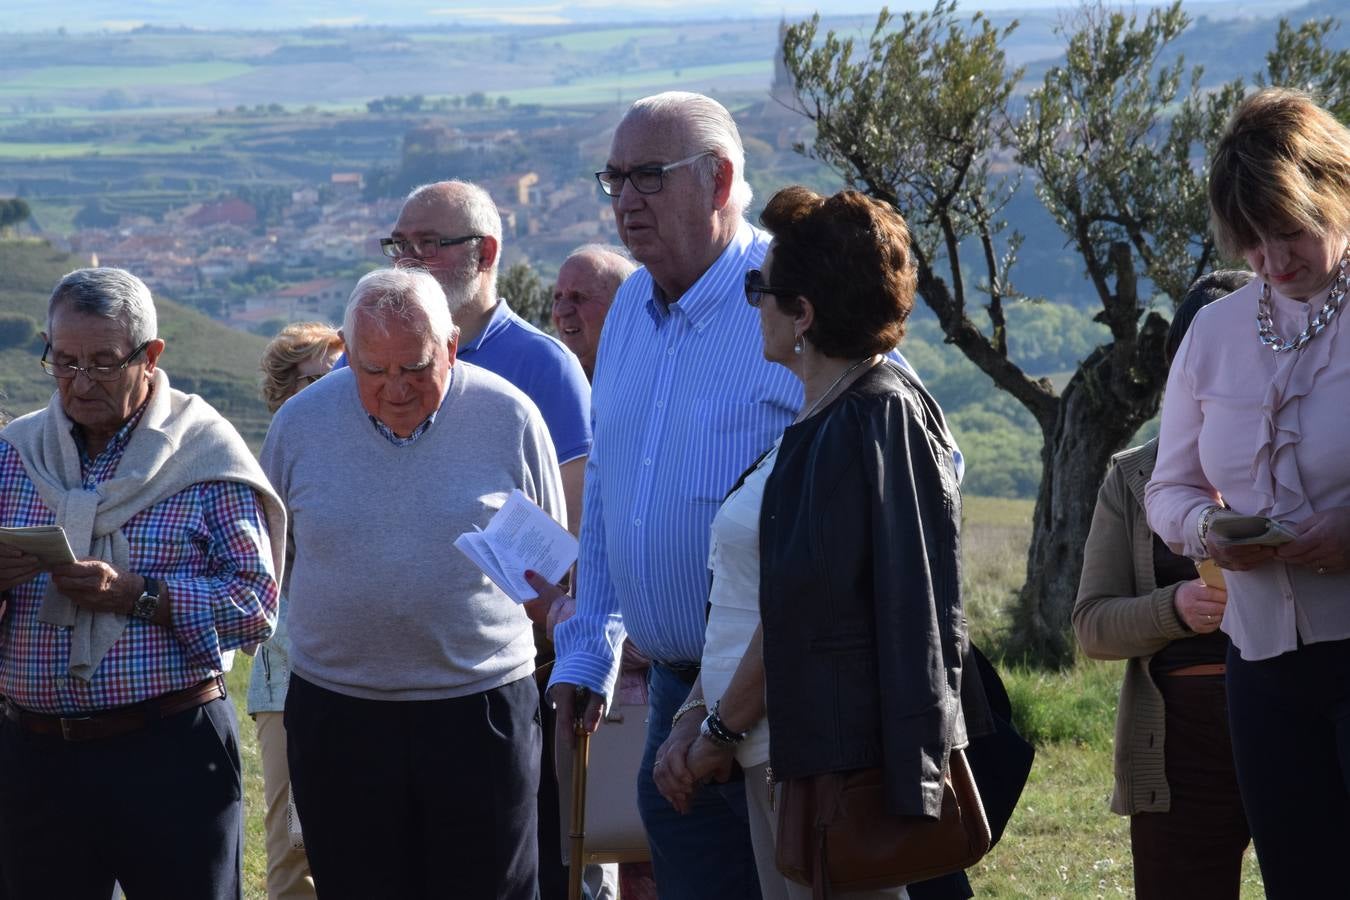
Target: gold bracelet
[(688, 705)]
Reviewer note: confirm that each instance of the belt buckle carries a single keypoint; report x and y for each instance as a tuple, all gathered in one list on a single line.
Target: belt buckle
[(65, 727)]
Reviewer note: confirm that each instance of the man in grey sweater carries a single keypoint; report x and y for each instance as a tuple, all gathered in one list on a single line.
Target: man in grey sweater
[(412, 719)]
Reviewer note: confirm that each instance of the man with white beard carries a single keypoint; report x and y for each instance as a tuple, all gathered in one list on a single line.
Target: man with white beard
[(453, 230)]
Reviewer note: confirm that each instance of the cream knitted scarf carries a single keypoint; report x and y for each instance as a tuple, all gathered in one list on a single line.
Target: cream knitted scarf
[(180, 441)]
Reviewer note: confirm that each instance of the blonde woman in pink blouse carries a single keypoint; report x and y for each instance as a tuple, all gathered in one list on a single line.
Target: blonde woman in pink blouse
[(1254, 423)]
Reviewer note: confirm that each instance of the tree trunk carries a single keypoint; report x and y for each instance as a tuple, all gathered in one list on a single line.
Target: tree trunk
[(1100, 410)]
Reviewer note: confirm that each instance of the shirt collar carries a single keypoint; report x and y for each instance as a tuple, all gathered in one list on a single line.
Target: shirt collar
[(388, 433), (501, 317), (709, 293)]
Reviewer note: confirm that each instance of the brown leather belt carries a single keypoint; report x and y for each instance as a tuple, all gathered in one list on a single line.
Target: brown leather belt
[(1200, 669), (119, 721)]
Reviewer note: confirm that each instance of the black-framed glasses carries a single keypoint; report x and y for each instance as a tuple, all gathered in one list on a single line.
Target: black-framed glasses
[(645, 179), (426, 248), (756, 287), (94, 373)]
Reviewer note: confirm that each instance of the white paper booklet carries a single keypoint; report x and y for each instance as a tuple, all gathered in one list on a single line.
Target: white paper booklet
[(520, 536), (47, 542)]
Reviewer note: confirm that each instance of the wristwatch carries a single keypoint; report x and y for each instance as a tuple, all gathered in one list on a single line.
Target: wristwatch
[(147, 604)]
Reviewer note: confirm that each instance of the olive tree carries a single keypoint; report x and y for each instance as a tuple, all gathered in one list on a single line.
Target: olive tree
[(1114, 139)]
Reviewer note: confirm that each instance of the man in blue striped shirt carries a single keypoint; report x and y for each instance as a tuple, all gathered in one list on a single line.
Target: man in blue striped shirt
[(682, 402)]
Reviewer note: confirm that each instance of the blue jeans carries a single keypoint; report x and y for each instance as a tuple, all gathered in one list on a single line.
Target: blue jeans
[(705, 854)]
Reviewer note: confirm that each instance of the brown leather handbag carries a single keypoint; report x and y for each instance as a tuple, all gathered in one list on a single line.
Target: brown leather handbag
[(835, 834)]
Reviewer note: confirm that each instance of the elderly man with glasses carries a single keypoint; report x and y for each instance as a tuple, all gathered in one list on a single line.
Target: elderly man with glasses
[(453, 230), (119, 754), (683, 401)]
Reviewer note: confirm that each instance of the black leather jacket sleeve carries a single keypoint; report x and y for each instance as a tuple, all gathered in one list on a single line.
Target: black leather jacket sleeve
[(860, 592)]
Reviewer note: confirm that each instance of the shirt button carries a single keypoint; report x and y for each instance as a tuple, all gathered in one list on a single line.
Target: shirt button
[(660, 404), (647, 461), (637, 523), (59, 682), (670, 351)]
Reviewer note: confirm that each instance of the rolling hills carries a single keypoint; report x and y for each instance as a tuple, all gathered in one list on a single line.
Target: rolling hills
[(201, 356)]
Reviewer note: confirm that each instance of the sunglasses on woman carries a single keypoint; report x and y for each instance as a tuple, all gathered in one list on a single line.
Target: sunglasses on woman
[(756, 287)]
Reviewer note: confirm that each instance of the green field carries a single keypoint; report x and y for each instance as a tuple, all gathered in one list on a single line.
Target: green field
[(603, 88), (67, 77)]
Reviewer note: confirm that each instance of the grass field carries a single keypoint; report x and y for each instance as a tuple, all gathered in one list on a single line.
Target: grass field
[(1063, 842), (67, 77), (603, 88)]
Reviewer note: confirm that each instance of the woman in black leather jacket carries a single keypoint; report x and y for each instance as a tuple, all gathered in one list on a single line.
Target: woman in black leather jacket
[(835, 633)]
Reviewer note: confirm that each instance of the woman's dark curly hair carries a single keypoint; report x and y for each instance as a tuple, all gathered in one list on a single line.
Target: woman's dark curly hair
[(850, 256)]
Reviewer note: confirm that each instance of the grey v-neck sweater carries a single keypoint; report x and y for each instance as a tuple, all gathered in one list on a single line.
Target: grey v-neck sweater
[(381, 604)]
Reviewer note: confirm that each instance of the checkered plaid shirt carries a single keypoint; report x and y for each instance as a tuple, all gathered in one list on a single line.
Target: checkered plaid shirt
[(208, 544)]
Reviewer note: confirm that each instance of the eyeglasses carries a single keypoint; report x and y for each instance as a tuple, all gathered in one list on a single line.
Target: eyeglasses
[(756, 288), (94, 373), (307, 380), (645, 179), (423, 249)]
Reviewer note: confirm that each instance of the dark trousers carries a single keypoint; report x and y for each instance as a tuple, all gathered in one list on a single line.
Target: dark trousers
[(705, 854), (1290, 719), (157, 810), (421, 798), (1193, 851)]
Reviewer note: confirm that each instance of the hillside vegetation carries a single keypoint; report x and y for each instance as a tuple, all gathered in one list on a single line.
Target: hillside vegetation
[(201, 356)]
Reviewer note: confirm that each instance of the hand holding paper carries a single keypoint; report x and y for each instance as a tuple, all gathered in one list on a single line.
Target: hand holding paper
[(520, 536), (45, 542)]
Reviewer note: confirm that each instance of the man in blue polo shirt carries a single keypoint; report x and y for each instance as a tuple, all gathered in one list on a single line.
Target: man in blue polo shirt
[(453, 230)]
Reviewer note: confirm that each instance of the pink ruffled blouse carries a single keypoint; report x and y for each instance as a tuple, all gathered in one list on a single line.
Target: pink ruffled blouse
[(1268, 432)]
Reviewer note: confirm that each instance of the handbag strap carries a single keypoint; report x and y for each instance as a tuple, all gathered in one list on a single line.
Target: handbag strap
[(829, 795)]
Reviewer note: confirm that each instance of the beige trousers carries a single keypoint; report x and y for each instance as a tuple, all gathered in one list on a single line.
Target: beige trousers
[(288, 875), (763, 837)]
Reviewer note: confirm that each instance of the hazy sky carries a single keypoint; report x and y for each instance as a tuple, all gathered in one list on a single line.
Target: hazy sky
[(83, 15)]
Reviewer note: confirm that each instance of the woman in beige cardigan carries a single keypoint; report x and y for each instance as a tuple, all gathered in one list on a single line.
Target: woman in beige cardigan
[(1139, 601)]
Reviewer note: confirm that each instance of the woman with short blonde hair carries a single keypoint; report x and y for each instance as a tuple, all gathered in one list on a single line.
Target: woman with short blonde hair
[(284, 361), (1254, 423), (299, 355)]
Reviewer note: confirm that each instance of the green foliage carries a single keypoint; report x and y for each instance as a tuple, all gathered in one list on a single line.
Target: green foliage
[(529, 297), (13, 210), (1301, 59), (16, 330), (1114, 165)]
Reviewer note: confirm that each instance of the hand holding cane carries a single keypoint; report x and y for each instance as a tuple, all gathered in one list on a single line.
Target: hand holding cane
[(577, 832)]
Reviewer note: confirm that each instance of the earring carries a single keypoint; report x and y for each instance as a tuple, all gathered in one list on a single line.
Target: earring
[(799, 347)]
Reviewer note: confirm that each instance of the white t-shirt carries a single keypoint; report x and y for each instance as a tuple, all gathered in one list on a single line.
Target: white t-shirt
[(734, 560)]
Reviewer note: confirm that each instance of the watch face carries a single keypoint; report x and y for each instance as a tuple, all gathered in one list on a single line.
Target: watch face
[(145, 606)]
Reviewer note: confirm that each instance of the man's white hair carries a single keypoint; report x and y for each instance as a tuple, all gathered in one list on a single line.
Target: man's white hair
[(409, 295), (709, 127), (610, 260), (110, 294)]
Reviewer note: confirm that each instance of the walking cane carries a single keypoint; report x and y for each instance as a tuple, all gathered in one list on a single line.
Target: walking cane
[(581, 746)]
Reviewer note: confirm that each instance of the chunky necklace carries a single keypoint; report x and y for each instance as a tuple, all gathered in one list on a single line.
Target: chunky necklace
[(830, 390), (1266, 327)]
